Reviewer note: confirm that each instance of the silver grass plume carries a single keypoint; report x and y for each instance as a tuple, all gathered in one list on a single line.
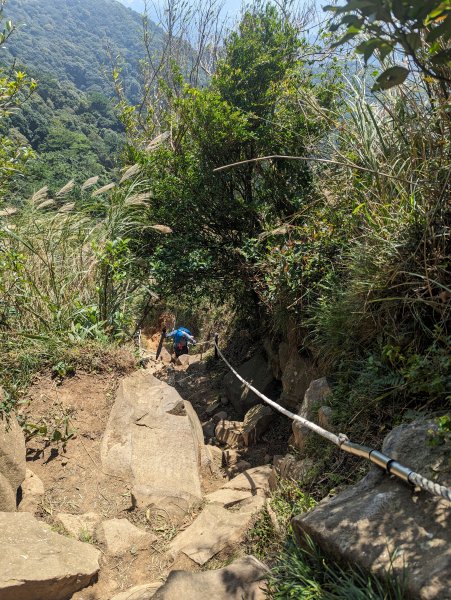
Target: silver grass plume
[(130, 172), (162, 228), (102, 190), (66, 188), (90, 182)]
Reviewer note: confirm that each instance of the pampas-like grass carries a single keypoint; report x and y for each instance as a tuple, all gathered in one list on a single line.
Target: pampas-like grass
[(66, 188), (162, 228), (90, 182), (103, 189), (130, 172)]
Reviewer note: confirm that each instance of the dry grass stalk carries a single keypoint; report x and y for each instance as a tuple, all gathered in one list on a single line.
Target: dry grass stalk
[(46, 203), (130, 172), (39, 195), (67, 207), (104, 189), (162, 228), (90, 182), (156, 142), (137, 199), (8, 212), (66, 188)]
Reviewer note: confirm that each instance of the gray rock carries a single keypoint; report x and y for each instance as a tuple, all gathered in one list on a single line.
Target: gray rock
[(215, 530), (273, 358), (256, 422), (212, 407), (257, 372), (325, 417), (220, 416), (209, 429), (36, 563), (296, 377), (244, 579), (120, 536), (154, 440), (287, 467), (380, 524), (317, 391), (12, 459)]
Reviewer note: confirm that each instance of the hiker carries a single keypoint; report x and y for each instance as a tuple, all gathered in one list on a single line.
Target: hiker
[(181, 338)]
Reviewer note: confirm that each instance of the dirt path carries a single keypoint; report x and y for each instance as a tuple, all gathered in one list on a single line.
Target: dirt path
[(75, 482)]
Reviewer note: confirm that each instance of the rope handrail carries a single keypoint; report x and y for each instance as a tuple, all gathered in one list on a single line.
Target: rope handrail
[(390, 465)]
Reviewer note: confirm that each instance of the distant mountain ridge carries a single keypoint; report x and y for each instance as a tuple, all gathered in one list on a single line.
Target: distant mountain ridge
[(77, 40)]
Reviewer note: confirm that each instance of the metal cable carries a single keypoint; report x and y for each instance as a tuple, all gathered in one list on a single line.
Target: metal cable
[(385, 462)]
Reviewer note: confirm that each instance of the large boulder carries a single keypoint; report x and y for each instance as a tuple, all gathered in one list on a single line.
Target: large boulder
[(315, 395), (244, 579), (154, 441), (37, 563), (255, 371), (297, 374), (256, 422), (12, 460), (383, 526)]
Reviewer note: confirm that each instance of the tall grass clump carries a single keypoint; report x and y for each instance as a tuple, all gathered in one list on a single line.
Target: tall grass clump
[(71, 274)]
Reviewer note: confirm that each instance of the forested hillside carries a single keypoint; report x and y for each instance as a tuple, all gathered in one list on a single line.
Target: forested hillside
[(78, 41), (290, 191)]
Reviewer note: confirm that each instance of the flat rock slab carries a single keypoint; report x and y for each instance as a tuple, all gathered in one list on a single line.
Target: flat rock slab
[(139, 592), (12, 459), (251, 480), (214, 530), (120, 536), (37, 563), (151, 441), (79, 525), (241, 580), (380, 524)]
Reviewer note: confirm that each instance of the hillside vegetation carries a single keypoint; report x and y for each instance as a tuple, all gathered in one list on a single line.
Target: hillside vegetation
[(304, 186)]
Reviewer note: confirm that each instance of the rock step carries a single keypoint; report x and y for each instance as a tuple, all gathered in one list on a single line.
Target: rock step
[(36, 563), (154, 440)]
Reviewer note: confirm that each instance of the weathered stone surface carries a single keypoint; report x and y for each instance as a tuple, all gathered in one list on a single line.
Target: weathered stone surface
[(287, 467), (215, 529), (79, 526), (183, 360), (325, 417), (139, 592), (381, 522), (273, 358), (296, 377), (252, 480), (151, 442), (12, 458), (256, 422), (317, 391), (203, 457), (120, 536), (257, 372), (32, 492), (7, 495), (36, 563), (241, 580), (220, 416), (228, 497), (209, 429), (284, 355), (165, 356), (230, 433)]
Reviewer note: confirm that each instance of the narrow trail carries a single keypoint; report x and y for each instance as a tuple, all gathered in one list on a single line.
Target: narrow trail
[(144, 454)]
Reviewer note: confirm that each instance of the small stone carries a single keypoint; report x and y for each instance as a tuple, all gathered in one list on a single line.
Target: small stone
[(79, 526), (183, 360), (64, 462), (209, 429), (224, 401)]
